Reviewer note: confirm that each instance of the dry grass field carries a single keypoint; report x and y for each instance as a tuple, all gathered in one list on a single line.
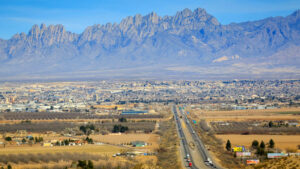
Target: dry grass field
[(97, 149), (281, 141), (22, 157), (284, 163), (127, 138), (168, 153), (102, 162), (244, 115), (36, 166), (36, 151)]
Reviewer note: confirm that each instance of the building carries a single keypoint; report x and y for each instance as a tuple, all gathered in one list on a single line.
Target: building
[(138, 144), (47, 145), (134, 112)]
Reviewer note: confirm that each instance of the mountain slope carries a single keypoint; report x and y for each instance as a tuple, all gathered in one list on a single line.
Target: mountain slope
[(170, 46)]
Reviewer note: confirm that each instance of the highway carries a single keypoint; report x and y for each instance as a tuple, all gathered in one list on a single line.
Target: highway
[(200, 157), (183, 141)]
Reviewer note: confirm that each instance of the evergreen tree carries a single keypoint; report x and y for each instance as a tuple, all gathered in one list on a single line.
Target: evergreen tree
[(228, 145), (8, 139), (262, 145), (254, 144), (81, 164), (90, 165), (271, 124), (260, 151), (271, 143)]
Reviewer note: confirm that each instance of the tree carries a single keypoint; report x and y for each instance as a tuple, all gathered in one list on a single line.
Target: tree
[(262, 145), (81, 164), (228, 145), (85, 165), (119, 128), (66, 142), (89, 140), (260, 151), (83, 129), (8, 139), (122, 119), (91, 127), (271, 124), (57, 143), (90, 164), (254, 144), (236, 101), (87, 129), (271, 143)]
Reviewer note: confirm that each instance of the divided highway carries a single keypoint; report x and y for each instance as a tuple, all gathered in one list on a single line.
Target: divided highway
[(199, 156), (184, 144)]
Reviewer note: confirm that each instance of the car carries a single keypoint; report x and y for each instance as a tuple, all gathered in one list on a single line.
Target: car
[(206, 163)]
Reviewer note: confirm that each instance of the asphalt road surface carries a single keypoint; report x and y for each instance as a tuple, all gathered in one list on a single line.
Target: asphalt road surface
[(191, 143)]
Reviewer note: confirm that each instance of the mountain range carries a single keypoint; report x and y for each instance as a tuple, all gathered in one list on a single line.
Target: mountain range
[(188, 45)]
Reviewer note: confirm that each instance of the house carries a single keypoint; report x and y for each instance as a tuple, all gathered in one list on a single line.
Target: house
[(29, 137), (47, 145), (138, 144), (134, 112)]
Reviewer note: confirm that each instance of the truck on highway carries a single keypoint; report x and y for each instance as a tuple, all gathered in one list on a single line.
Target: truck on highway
[(208, 162), (188, 159)]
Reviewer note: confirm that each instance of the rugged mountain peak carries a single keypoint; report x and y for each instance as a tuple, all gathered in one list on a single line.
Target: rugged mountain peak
[(296, 13), (201, 15), (152, 18), (57, 28), (186, 12), (43, 26), (200, 12), (34, 31), (49, 35), (126, 23), (137, 19), (140, 40), (37, 31)]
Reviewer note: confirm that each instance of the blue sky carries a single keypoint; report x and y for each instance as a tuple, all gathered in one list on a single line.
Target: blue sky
[(18, 16)]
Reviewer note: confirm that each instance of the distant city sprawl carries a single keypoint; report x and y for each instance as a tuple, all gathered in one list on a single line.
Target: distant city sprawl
[(113, 95)]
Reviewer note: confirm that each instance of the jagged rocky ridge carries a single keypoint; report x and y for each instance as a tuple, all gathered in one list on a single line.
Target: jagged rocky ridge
[(188, 39)]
